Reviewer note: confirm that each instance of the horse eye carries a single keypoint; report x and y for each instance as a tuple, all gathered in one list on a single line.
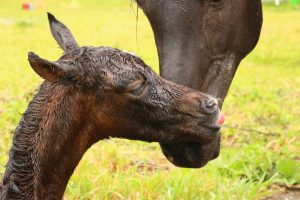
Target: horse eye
[(137, 87), (216, 2)]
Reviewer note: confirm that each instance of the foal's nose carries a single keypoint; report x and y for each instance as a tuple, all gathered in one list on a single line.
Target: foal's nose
[(210, 105)]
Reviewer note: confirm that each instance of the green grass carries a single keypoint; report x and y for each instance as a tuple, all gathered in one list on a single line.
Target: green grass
[(264, 97)]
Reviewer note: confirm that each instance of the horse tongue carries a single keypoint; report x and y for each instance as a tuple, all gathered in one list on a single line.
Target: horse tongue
[(221, 120)]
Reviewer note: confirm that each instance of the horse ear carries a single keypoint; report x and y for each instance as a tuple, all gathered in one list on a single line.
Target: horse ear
[(49, 71), (62, 34)]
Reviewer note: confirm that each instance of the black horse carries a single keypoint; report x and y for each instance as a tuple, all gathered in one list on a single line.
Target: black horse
[(200, 44)]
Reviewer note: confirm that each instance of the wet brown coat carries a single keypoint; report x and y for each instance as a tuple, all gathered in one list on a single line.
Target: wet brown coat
[(89, 94)]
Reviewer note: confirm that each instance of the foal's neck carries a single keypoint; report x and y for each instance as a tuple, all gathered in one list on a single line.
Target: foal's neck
[(48, 143)]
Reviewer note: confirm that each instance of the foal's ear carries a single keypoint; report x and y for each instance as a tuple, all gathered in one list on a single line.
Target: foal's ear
[(62, 34), (49, 71)]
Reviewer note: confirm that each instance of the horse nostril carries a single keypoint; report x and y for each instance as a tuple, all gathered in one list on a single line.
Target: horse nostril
[(210, 105), (211, 102)]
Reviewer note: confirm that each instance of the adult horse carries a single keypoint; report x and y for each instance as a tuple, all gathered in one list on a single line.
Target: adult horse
[(200, 44)]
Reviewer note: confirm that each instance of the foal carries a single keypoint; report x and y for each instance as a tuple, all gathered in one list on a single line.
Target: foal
[(89, 94)]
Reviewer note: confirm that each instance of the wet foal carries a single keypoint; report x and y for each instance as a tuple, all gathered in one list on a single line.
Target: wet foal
[(92, 93)]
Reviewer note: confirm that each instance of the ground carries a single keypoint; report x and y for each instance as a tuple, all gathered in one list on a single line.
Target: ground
[(260, 140)]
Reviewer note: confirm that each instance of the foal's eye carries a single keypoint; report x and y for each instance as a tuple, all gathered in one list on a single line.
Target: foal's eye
[(216, 2), (137, 87)]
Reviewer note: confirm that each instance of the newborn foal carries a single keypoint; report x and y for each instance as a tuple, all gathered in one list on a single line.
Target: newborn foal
[(89, 94)]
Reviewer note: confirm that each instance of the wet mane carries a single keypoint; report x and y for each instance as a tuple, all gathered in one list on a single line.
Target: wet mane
[(18, 180)]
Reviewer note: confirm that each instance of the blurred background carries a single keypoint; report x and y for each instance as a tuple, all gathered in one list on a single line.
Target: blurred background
[(260, 139)]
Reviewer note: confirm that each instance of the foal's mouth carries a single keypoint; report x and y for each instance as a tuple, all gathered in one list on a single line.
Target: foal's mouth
[(211, 130), (217, 125), (197, 146), (214, 129)]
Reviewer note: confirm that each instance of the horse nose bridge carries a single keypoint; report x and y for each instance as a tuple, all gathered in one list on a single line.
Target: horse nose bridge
[(194, 102)]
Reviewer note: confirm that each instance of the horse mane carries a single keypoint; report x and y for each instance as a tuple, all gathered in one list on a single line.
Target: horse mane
[(18, 179)]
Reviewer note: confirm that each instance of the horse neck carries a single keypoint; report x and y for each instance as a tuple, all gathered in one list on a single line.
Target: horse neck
[(48, 143)]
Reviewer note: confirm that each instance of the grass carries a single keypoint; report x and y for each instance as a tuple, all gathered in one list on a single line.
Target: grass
[(260, 147)]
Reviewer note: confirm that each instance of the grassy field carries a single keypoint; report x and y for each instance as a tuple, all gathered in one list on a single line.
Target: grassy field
[(261, 143)]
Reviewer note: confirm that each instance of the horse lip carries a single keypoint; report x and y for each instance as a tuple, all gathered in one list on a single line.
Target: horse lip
[(214, 128), (216, 125)]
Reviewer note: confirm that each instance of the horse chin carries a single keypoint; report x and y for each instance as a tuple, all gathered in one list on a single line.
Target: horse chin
[(191, 154)]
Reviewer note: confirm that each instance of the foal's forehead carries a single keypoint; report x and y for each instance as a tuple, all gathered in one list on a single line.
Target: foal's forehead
[(105, 56)]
